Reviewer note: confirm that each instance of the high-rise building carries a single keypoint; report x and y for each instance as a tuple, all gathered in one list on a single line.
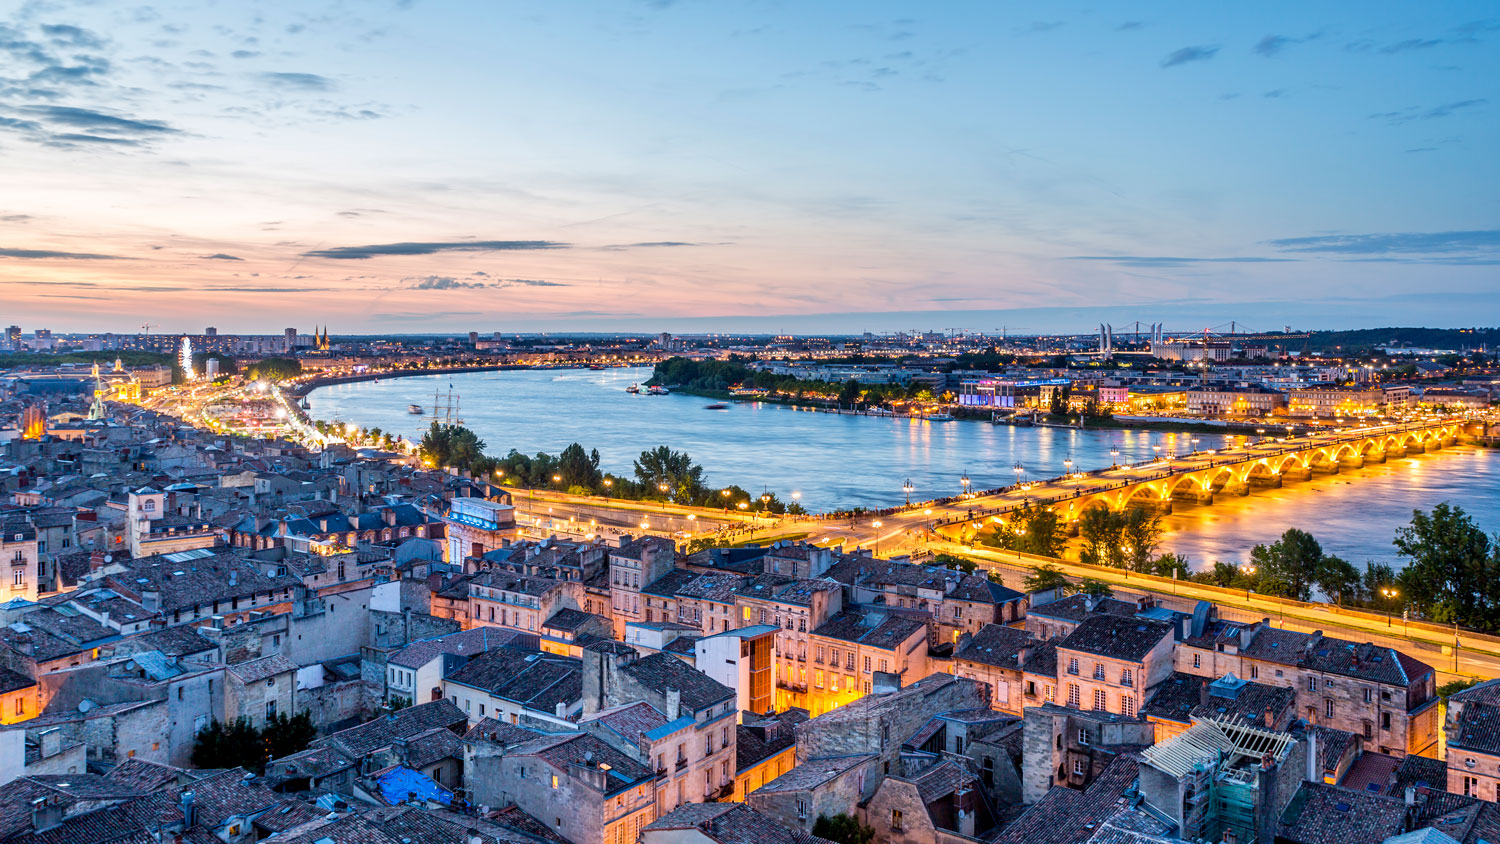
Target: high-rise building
[(210, 332), (291, 340), (13, 338)]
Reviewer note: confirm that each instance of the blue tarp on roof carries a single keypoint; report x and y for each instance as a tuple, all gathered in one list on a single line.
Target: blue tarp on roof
[(400, 784)]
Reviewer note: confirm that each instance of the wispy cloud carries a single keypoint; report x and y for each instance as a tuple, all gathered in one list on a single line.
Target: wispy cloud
[(1272, 45), (297, 81), (220, 256), (1401, 242), (420, 248), (443, 282), (1161, 261), (1412, 113), (1189, 54), (48, 253)]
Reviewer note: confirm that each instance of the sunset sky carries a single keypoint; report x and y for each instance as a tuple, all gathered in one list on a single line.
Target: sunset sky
[(777, 166)]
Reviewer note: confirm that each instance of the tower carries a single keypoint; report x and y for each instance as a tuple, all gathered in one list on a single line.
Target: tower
[(96, 407)]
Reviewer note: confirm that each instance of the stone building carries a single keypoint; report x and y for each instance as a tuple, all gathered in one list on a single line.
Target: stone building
[(1473, 732), (579, 787), (1108, 663)]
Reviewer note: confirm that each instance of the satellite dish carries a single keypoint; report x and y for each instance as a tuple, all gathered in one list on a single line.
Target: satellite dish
[(85, 705)]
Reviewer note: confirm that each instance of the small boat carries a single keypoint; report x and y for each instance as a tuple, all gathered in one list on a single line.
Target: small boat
[(716, 407), (596, 367), (939, 417), (414, 409), (657, 391), (633, 388)]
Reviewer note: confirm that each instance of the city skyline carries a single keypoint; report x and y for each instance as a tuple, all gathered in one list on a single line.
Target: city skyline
[(419, 167)]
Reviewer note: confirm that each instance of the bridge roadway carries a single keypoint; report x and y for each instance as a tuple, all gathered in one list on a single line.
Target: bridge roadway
[(1196, 477)]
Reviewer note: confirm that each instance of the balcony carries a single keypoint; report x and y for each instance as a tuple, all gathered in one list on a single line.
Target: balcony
[(680, 766)]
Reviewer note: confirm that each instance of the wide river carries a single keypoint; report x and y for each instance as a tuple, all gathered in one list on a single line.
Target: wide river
[(838, 461)]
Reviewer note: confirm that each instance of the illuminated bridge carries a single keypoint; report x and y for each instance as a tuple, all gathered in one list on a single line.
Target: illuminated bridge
[(1200, 476)]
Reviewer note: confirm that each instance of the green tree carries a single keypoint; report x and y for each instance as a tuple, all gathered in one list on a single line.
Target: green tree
[(1141, 533), (1452, 573), (284, 735), (674, 469), (1289, 566), (843, 829), (579, 468), (1453, 687), (1032, 529), (1100, 528), (1338, 580), (957, 563), (1378, 578), (850, 393), (1045, 577), (1170, 565), (1095, 588), (234, 745)]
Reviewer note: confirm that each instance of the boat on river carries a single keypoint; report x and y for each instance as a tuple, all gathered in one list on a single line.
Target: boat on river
[(716, 406), (656, 390), (940, 416), (414, 409), (633, 388)]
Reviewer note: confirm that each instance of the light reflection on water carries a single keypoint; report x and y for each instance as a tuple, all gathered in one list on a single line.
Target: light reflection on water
[(843, 460)]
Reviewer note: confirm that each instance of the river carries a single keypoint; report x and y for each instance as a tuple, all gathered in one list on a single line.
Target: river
[(839, 461)]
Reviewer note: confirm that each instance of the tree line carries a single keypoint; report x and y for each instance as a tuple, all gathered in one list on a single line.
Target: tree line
[(719, 377), (658, 474), (1452, 571)]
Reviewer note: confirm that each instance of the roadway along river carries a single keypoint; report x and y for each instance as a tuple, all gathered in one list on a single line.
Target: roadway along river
[(846, 460)]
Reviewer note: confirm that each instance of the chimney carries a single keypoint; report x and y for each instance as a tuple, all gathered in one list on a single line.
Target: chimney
[(1270, 718), (46, 812), (187, 809), (50, 742), (96, 561), (1314, 774), (674, 704), (1022, 655), (1203, 693), (562, 709)]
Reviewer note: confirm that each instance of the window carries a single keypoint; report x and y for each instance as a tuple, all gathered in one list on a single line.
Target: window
[(1048, 694), (1077, 767), (867, 665), (1369, 695), (1385, 721), (1127, 677), (895, 819), (849, 661), (1127, 705), (1073, 697), (554, 780), (1197, 661), (801, 809), (270, 709), (1098, 671), (1073, 666), (1312, 684), (18, 577), (1100, 700), (1471, 786), (884, 666), (1328, 707), (1254, 671)]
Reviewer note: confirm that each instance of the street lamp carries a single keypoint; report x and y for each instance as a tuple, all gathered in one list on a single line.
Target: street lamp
[(964, 482), (1114, 456), (907, 488), (1249, 571), (876, 525), (1018, 469), (1390, 594)]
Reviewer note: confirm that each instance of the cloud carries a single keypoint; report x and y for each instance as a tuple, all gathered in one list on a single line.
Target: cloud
[(72, 36), (1189, 54), (1163, 261), (1407, 115), (1411, 44), (297, 81), (47, 253), (16, 218), (362, 252), (1272, 45), (1401, 242), (1129, 25), (97, 121), (220, 256), (443, 282), (245, 54)]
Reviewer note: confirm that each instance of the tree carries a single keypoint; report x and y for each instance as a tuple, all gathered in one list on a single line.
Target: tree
[(850, 393), (579, 468), (843, 828), (1453, 571), (1289, 566), (1141, 533), (956, 563), (1034, 530), (1100, 529), (234, 745), (284, 735), (674, 469), (1095, 588), (1170, 565), (1338, 580), (1046, 577), (1453, 687), (1378, 578)]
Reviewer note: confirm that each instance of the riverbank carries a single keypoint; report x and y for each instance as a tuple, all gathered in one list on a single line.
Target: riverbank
[(302, 388)]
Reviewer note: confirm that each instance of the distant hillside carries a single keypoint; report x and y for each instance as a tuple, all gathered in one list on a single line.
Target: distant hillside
[(1422, 338)]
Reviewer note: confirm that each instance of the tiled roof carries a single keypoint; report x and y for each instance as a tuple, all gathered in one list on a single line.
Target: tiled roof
[(1075, 608), (562, 751), (815, 772), (1068, 816), (463, 643), (532, 679), (381, 732), (1328, 814), (758, 740), (1116, 637), (630, 721), (1478, 726), (876, 630), (664, 671), (264, 668), (732, 823), (997, 645)]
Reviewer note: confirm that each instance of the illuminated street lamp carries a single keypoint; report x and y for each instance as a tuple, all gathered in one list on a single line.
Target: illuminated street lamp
[(1249, 571), (876, 524), (1114, 456), (964, 482), (1390, 594), (1019, 470), (908, 488)]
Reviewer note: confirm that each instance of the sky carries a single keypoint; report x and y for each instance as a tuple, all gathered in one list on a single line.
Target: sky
[(701, 165)]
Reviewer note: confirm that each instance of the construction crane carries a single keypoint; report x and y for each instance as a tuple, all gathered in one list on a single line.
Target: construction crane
[(146, 329)]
